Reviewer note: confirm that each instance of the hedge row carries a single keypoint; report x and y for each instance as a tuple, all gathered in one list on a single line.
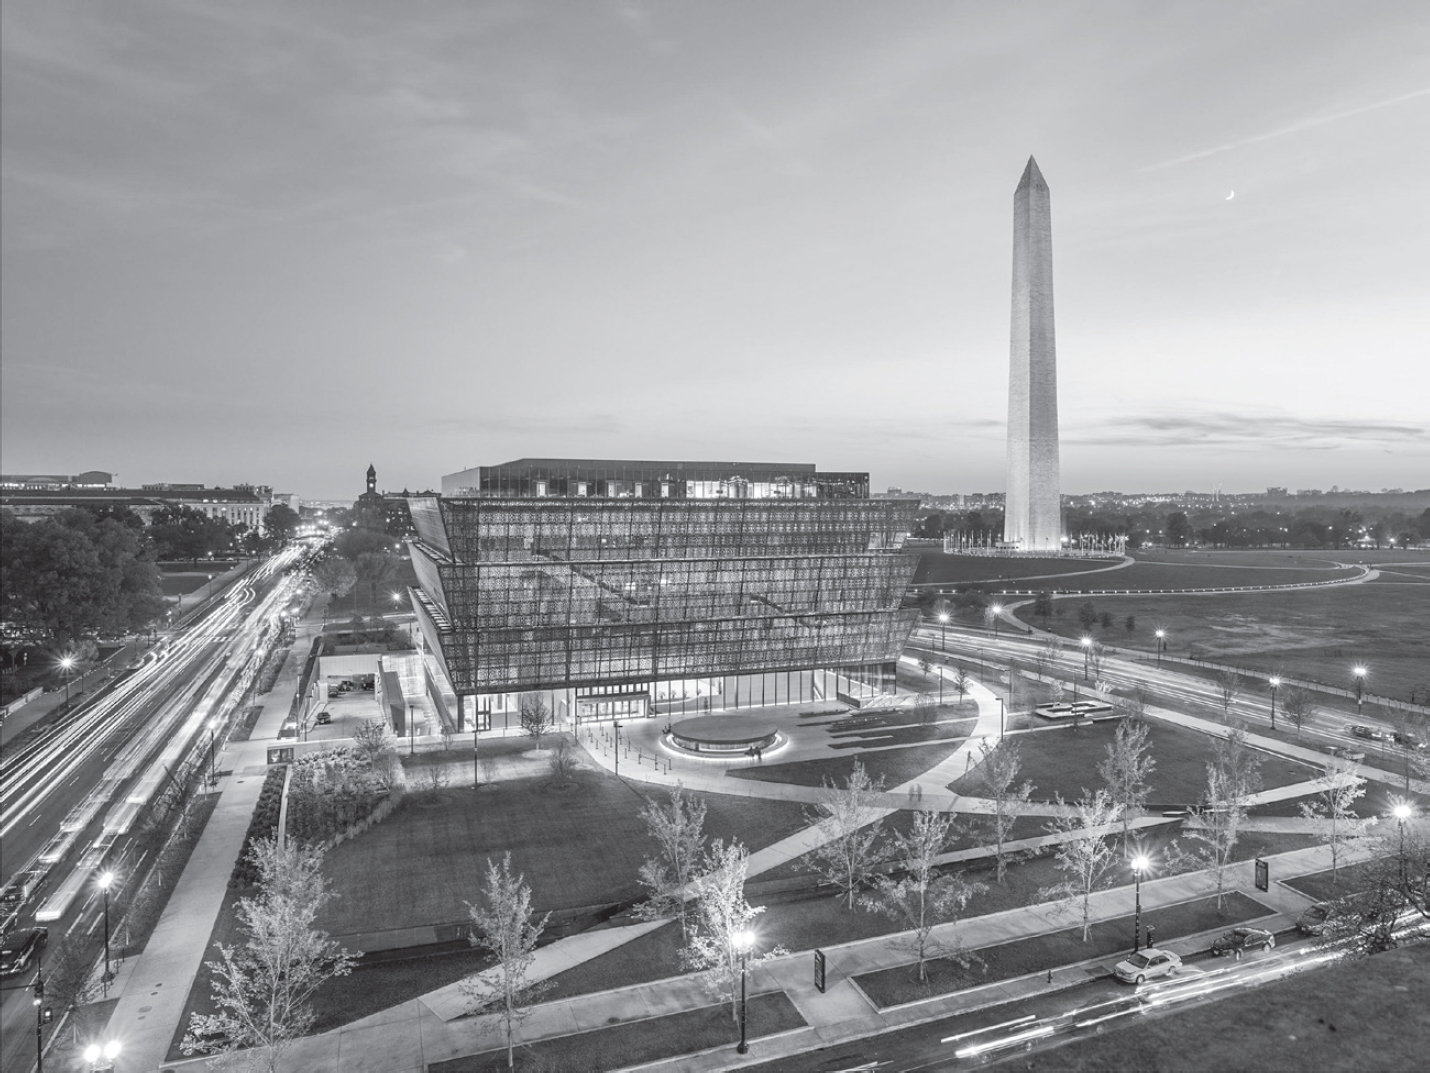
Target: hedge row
[(264, 824)]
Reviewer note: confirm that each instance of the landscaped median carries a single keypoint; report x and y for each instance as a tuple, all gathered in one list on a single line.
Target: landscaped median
[(636, 1042), (1039, 953)]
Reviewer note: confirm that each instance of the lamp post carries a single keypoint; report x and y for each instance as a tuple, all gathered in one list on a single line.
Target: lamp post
[(1401, 812), (1086, 656), (67, 665), (1275, 681), (943, 632), (617, 728), (1000, 718), (41, 1018), (105, 881), (1359, 672), (213, 771), (1161, 646), (997, 610), (743, 940), (1138, 864)]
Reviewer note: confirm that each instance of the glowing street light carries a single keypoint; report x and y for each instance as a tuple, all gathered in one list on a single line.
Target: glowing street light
[(1402, 812), (943, 631), (1161, 646), (997, 610), (1359, 672), (67, 665), (105, 882), (744, 939), (94, 1052), (1275, 681), (1086, 656)]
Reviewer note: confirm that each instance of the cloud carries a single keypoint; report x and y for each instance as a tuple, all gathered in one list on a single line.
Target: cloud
[(1233, 429), (1294, 128)]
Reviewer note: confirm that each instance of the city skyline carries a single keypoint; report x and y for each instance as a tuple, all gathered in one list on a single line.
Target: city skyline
[(258, 243)]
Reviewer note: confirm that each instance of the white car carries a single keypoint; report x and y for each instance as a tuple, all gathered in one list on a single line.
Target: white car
[(1147, 965)]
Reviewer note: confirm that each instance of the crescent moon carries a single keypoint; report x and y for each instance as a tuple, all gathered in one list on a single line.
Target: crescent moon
[(1231, 195)]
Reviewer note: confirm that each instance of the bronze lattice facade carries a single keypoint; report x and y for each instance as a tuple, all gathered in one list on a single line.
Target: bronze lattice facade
[(613, 594)]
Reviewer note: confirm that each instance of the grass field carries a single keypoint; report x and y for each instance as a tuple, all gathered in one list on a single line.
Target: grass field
[(1059, 760), (936, 568), (1146, 575), (577, 848), (1350, 1015)]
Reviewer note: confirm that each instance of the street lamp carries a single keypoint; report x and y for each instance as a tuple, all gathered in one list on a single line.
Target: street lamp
[(617, 728), (943, 631), (1161, 646), (997, 610), (1359, 672), (744, 938), (1086, 656), (67, 665), (1139, 863), (105, 881), (213, 771), (1275, 681), (1000, 718), (94, 1052), (1401, 812)]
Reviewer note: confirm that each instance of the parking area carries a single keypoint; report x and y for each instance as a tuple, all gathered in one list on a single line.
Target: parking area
[(346, 712)]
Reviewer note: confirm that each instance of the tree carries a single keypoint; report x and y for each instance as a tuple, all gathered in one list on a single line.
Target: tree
[(502, 925), (1106, 619), (352, 544), (335, 576), (536, 718), (563, 762), (922, 898), (281, 523), (1050, 652), (182, 532), (925, 666), (1087, 615), (997, 775), (851, 823), (374, 741), (961, 683), (1228, 686), (1178, 529), (263, 988), (679, 832), (1127, 767), (925, 708), (372, 568), (1233, 775), (1096, 656), (1297, 705), (722, 923), (1130, 622), (1043, 606), (1332, 810), (1084, 855)]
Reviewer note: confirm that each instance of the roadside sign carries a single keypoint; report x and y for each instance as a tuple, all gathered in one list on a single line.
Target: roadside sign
[(1263, 875), (819, 970)]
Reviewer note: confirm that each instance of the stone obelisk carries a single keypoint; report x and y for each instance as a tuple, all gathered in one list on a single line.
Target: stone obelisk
[(1033, 516)]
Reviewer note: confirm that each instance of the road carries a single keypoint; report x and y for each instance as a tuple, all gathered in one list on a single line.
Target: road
[(71, 797)]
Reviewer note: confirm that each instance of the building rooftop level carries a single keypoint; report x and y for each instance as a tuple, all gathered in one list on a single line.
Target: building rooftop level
[(654, 479)]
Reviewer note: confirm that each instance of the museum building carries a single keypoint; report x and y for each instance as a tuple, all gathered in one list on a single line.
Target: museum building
[(622, 589)]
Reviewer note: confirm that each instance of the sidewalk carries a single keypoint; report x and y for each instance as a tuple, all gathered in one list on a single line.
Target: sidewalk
[(154, 989)]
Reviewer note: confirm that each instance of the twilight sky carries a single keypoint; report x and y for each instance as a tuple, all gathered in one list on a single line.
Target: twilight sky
[(274, 241)]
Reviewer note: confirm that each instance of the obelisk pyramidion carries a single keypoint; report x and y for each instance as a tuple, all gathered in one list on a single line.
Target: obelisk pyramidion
[(1033, 516)]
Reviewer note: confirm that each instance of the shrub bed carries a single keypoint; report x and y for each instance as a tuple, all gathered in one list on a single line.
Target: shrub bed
[(336, 795), (263, 825)]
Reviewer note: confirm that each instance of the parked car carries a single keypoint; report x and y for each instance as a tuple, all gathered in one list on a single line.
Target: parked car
[(1240, 940), (323, 718), (20, 949), (1360, 730), (1313, 920), (1147, 965)]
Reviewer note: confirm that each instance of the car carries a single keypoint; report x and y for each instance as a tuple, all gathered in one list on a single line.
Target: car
[(323, 718), (1313, 920), (1360, 730), (1406, 741), (20, 949), (1147, 965), (1239, 940)]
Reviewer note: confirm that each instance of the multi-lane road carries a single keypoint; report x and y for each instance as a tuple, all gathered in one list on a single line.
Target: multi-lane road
[(72, 796)]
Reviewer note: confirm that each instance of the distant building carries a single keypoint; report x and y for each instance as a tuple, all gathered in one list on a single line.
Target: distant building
[(368, 511), (620, 589), (49, 482), (244, 504)]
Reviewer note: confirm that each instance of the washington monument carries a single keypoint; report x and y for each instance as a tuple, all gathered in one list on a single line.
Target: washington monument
[(1032, 519)]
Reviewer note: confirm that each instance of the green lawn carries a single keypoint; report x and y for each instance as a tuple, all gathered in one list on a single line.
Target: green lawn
[(577, 848), (1369, 1014), (638, 1042), (1109, 938), (1060, 760), (894, 766), (936, 568)]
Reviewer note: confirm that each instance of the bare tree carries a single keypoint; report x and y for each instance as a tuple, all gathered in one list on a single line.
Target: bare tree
[(536, 718), (1298, 705), (1085, 855), (1096, 657), (502, 925), (1233, 775), (263, 988), (997, 775), (925, 666), (1332, 809), (852, 822), (678, 828), (720, 937), (1128, 765), (1228, 687), (960, 683), (374, 742), (335, 576), (925, 708), (922, 898), (563, 761)]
